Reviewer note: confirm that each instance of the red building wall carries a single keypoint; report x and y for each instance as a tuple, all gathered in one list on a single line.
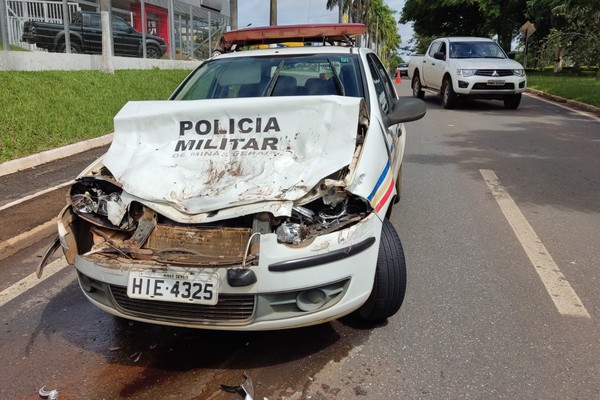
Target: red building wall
[(154, 13)]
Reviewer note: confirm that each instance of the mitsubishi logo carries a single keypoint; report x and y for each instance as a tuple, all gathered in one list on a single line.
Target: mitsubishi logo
[(495, 73)]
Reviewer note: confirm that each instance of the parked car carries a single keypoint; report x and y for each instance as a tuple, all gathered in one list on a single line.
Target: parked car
[(402, 69), (256, 198), (85, 32), (467, 67)]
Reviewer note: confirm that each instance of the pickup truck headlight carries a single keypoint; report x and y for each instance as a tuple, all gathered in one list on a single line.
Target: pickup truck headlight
[(465, 72), (518, 72)]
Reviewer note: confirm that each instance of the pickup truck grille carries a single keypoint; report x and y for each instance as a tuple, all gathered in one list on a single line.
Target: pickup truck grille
[(485, 86), (490, 72)]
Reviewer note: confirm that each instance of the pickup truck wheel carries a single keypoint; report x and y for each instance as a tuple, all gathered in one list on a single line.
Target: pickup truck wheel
[(416, 87), (75, 49), (152, 52), (449, 98), (512, 101), (390, 279)]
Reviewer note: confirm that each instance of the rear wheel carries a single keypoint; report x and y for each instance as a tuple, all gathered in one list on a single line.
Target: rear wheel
[(416, 87), (75, 49), (389, 286), (449, 98), (512, 101)]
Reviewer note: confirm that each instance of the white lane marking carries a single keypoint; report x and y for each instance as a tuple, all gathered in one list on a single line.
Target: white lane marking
[(31, 281), (562, 294), (31, 196)]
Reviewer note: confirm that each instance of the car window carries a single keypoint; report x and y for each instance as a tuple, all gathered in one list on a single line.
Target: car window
[(434, 48), (383, 85), (118, 24), (293, 75), (484, 49)]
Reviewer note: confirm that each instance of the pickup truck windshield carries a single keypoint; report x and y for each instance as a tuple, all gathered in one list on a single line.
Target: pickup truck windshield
[(476, 50), (298, 75)]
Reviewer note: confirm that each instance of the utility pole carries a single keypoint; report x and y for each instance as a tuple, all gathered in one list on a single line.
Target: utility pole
[(4, 27), (106, 64), (233, 10), (273, 14)]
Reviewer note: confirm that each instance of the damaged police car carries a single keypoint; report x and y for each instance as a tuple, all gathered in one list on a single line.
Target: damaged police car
[(256, 197)]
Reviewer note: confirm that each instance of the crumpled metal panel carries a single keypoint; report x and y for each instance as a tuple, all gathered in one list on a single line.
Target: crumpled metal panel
[(207, 155)]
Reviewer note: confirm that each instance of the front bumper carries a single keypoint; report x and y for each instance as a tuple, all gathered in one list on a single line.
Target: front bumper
[(488, 87), (339, 267)]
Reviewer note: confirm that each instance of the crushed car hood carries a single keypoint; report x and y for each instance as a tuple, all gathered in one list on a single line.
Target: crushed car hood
[(205, 155)]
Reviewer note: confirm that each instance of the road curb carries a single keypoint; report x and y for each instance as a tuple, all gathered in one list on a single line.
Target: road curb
[(575, 104), (26, 239), (34, 160)]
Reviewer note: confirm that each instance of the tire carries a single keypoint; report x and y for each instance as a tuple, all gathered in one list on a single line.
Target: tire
[(153, 52), (75, 48), (389, 286), (449, 98), (416, 87), (512, 101)]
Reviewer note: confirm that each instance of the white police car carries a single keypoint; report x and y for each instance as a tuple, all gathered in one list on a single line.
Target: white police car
[(255, 197)]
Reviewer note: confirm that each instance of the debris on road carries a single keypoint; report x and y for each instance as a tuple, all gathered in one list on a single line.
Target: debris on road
[(246, 389), (50, 395)]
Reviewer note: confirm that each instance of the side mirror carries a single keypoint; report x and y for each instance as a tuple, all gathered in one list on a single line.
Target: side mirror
[(405, 110), (511, 55), (439, 56)]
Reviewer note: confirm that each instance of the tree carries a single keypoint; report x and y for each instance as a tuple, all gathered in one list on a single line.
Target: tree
[(577, 38), (466, 18)]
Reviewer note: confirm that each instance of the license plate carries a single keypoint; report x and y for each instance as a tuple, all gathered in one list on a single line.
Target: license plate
[(181, 287), (495, 83)]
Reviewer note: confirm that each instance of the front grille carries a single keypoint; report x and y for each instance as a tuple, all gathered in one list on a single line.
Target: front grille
[(485, 86), (490, 72), (230, 308)]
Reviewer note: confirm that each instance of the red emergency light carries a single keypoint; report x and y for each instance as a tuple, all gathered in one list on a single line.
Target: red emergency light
[(328, 33)]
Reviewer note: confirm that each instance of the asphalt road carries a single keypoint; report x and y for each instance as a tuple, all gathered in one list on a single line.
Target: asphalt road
[(496, 308)]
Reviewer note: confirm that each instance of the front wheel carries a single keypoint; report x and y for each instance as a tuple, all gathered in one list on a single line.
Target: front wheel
[(512, 101), (389, 286), (416, 87), (449, 98), (152, 52)]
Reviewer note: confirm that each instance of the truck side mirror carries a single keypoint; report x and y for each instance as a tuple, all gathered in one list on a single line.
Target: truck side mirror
[(439, 56), (511, 55)]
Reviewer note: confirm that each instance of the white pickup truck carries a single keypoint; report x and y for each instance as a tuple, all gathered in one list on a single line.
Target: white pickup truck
[(457, 67)]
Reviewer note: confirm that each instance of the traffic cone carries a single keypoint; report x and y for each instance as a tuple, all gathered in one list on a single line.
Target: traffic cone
[(398, 79)]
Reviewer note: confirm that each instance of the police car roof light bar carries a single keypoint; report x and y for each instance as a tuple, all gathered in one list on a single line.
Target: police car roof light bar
[(315, 33)]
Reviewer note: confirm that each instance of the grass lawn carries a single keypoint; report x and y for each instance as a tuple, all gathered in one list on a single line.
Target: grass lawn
[(585, 89), (48, 109)]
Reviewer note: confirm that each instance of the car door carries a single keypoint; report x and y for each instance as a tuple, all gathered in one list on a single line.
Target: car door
[(428, 63), (386, 97), (91, 33), (437, 67), (126, 39)]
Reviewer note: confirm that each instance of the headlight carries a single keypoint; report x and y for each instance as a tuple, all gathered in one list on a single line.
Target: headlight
[(465, 72), (518, 72)]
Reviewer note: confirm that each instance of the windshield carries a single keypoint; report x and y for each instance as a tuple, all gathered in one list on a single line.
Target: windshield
[(476, 50), (298, 75)]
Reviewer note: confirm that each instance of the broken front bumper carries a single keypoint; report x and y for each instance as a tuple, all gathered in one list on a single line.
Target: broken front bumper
[(293, 286)]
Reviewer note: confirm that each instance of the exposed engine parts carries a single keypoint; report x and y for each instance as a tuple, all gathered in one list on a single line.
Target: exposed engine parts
[(133, 231)]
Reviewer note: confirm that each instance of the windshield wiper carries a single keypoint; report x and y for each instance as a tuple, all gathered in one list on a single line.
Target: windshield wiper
[(338, 82), (273, 81)]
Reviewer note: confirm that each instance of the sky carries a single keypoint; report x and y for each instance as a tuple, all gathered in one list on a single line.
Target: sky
[(256, 12)]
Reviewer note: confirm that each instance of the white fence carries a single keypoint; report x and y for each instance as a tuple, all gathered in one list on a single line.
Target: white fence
[(19, 11)]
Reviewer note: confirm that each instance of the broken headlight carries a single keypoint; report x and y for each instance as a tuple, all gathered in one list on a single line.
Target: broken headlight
[(337, 209)]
